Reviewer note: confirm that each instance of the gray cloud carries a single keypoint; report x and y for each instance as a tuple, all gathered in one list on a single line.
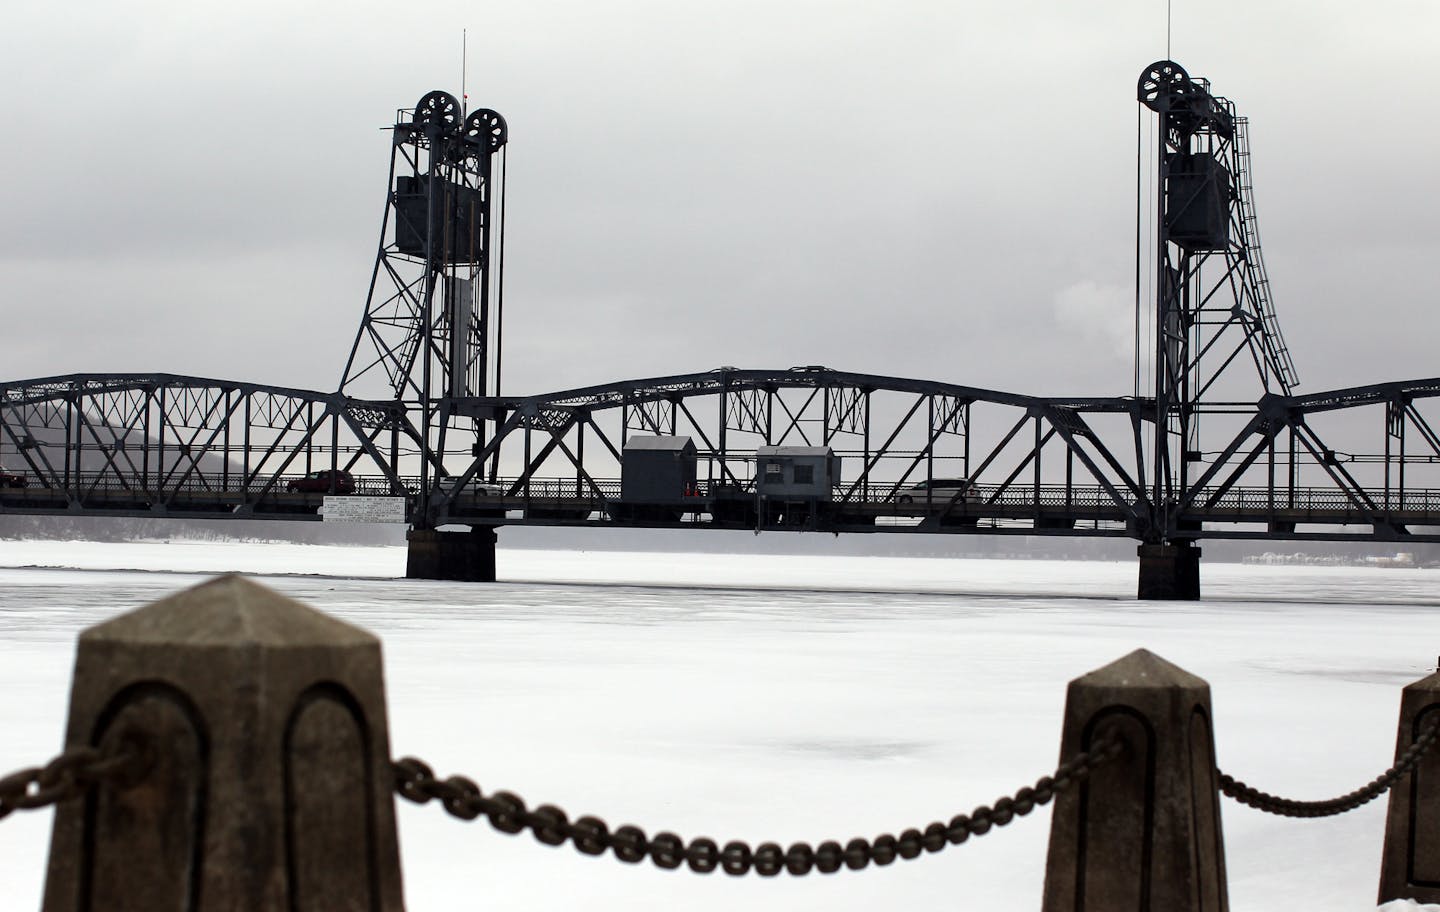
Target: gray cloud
[(900, 189)]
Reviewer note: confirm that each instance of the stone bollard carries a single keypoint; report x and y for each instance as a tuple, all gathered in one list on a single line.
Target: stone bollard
[(270, 787), (1410, 862), (1143, 832)]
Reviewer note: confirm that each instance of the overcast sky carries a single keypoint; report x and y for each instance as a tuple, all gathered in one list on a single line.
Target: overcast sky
[(941, 190)]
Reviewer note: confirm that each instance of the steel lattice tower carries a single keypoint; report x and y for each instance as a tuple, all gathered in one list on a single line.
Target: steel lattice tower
[(430, 335), (1212, 301)]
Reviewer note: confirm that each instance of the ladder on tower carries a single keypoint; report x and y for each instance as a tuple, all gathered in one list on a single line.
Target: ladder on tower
[(1278, 353)]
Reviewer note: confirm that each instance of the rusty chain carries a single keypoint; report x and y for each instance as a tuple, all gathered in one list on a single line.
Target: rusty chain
[(71, 774), (462, 798), (1286, 807)]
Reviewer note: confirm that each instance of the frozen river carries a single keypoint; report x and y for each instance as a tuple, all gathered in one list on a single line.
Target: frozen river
[(783, 698)]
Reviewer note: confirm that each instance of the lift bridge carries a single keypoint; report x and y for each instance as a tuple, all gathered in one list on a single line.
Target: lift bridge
[(1217, 444)]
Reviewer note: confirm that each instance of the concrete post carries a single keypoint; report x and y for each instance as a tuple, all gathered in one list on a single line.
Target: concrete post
[(271, 787), (1410, 862), (1143, 832), (462, 556), (1170, 572)]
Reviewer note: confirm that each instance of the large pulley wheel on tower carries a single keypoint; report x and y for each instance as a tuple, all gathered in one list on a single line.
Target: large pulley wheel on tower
[(1161, 83), (486, 128), (438, 114)]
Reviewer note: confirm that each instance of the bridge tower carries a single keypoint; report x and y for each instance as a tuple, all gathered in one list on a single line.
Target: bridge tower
[(430, 335), (1215, 329)]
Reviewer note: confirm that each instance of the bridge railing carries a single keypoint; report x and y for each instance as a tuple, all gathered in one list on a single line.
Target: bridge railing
[(222, 492), (232, 743), (1313, 499), (1327, 500)]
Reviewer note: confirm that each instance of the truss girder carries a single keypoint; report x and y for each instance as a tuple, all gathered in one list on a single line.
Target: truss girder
[(161, 442), (736, 381), (1359, 461), (789, 406), (824, 403)]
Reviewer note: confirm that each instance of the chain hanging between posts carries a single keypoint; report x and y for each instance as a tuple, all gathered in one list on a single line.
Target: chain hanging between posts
[(1286, 807), (71, 774), (462, 798)]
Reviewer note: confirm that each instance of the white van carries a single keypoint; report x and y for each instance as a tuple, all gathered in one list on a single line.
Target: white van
[(939, 490)]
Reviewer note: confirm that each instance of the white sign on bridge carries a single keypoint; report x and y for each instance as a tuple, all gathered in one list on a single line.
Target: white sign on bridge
[(363, 509)]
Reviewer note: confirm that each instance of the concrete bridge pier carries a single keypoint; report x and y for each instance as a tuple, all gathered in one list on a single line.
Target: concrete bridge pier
[(461, 556), (1170, 571)]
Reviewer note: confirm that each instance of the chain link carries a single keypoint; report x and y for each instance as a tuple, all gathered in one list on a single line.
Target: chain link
[(1286, 807), (71, 774), (461, 797)]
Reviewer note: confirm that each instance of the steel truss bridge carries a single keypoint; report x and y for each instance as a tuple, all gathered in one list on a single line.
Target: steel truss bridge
[(1219, 445)]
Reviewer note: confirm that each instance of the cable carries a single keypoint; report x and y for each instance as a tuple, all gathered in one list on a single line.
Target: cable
[(1135, 360), (1152, 329), (500, 276)]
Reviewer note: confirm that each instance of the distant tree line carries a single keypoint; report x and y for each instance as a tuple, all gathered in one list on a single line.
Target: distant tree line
[(144, 528)]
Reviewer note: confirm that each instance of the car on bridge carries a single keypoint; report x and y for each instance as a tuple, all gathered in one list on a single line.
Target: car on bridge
[(475, 488), (12, 479), (939, 490), (320, 483)]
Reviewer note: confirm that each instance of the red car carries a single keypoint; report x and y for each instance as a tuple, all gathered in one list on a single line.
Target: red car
[(11, 480), (319, 483)]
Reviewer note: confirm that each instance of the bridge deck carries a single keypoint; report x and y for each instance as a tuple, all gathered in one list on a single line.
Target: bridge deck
[(1015, 509)]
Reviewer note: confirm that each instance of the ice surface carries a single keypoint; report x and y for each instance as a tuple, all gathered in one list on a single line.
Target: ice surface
[(784, 698)]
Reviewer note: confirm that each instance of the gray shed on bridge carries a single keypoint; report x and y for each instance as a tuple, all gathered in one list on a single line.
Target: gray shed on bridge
[(657, 469), (796, 471)]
